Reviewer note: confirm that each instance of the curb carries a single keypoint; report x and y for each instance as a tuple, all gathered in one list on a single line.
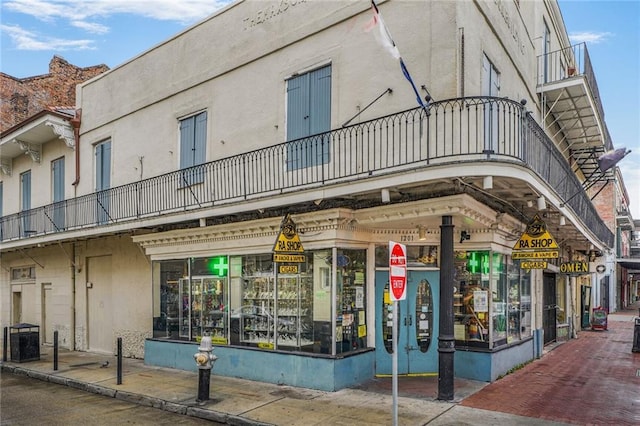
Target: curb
[(143, 400)]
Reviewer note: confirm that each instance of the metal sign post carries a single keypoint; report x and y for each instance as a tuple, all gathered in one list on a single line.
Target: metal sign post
[(398, 291)]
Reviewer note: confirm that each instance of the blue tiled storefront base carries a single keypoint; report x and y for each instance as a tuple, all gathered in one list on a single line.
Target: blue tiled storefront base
[(487, 366), (293, 369)]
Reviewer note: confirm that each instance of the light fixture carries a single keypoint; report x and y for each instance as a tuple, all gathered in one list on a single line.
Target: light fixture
[(464, 235), (563, 222), (317, 202), (542, 204), (386, 197), (487, 182), (422, 233), (203, 222), (529, 203)]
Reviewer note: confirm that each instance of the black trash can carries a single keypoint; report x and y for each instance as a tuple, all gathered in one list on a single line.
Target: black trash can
[(636, 337), (25, 342)]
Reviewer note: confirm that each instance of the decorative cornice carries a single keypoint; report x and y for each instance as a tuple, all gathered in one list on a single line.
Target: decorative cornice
[(64, 132)]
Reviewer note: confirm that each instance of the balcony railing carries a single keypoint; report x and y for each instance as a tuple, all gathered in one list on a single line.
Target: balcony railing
[(573, 61), (450, 131)]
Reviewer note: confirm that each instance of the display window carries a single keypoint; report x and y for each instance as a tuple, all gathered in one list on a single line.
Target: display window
[(252, 301), (491, 300)]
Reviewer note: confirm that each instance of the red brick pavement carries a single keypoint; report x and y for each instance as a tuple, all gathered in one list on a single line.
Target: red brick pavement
[(591, 380)]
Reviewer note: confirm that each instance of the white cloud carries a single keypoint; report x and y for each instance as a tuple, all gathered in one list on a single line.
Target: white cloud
[(89, 27), (588, 37), (183, 11), (26, 40)]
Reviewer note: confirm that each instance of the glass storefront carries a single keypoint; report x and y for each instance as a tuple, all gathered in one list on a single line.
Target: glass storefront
[(252, 301), (492, 300)]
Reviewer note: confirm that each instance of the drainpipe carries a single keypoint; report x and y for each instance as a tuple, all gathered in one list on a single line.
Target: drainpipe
[(75, 122), (72, 344)]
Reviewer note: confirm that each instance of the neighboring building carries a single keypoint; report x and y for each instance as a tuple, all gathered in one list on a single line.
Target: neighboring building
[(207, 159), (23, 98)]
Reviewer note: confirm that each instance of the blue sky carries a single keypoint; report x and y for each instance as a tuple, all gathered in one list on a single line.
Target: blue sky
[(92, 32)]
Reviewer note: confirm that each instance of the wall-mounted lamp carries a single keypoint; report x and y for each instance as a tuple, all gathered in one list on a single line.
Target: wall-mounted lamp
[(487, 182), (563, 222), (464, 235), (542, 204), (386, 197), (203, 222), (422, 233), (529, 203)]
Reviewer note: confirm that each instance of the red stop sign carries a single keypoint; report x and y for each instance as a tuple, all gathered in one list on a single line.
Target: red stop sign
[(397, 270)]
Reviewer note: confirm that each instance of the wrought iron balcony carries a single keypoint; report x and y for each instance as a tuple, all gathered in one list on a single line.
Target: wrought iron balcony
[(450, 132), (572, 105)]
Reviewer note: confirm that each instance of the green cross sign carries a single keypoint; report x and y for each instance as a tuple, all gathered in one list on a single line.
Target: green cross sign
[(220, 266)]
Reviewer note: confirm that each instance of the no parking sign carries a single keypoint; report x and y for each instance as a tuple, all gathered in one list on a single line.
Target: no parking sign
[(397, 270)]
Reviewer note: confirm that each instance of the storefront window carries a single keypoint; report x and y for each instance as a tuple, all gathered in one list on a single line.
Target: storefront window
[(471, 298), (351, 327), (253, 301), (191, 299), (490, 283), (561, 302)]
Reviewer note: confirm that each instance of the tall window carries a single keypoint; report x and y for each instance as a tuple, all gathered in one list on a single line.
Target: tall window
[(103, 180), (193, 142), (308, 117), (546, 49), (25, 200), (490, 87), (57, 191)]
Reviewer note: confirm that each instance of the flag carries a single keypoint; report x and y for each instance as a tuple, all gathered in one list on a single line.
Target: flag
[(611, 158), (382, 34)]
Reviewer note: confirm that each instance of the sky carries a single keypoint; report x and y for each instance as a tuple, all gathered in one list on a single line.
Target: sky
[(110, 32)]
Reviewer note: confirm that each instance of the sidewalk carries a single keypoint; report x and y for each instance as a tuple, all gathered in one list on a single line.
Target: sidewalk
[(242, 402)]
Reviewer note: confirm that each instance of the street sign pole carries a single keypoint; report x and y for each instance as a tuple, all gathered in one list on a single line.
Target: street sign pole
[(394, 365), (397, 291)]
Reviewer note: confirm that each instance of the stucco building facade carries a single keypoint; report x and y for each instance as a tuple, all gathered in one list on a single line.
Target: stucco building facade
[(244, 178)]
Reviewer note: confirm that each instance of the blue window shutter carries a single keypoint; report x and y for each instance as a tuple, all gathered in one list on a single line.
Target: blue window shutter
[(200, 139), (103, 166), (308, 113), (58, 180), (320, 112), (25, 182), (187, 141)]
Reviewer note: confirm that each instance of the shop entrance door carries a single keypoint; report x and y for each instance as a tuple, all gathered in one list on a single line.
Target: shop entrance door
[(585, 306), (417, 325), (549, 309)]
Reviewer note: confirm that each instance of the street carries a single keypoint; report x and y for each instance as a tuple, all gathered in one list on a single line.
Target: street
[(27, 401)]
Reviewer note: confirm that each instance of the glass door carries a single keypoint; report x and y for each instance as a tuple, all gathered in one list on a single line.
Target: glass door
[(417, 324)]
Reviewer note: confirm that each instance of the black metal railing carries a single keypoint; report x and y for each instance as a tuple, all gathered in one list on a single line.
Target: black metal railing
[(569, 62), (456, 130)]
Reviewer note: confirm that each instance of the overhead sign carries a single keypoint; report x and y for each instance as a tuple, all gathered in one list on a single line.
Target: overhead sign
[(536, 242), (574, 268), (288, 247), (397, 270)]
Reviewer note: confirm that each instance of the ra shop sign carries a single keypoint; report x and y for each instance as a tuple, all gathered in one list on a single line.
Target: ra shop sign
[(574, 268), (288, 248), (536, 243)]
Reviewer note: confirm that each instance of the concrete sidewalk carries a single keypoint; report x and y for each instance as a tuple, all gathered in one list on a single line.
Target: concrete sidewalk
[(242, 402)]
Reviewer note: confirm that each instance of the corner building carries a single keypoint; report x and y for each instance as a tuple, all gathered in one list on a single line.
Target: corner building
[(266, 116)]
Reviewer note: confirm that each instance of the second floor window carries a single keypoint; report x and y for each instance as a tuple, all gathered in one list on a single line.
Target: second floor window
[(103, 180), (193, 143), (308, 113)]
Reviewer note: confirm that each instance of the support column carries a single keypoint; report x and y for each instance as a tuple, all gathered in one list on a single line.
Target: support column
[(446, 341)]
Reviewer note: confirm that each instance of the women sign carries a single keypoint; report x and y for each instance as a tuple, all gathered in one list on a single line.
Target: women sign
[(397, 270)]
